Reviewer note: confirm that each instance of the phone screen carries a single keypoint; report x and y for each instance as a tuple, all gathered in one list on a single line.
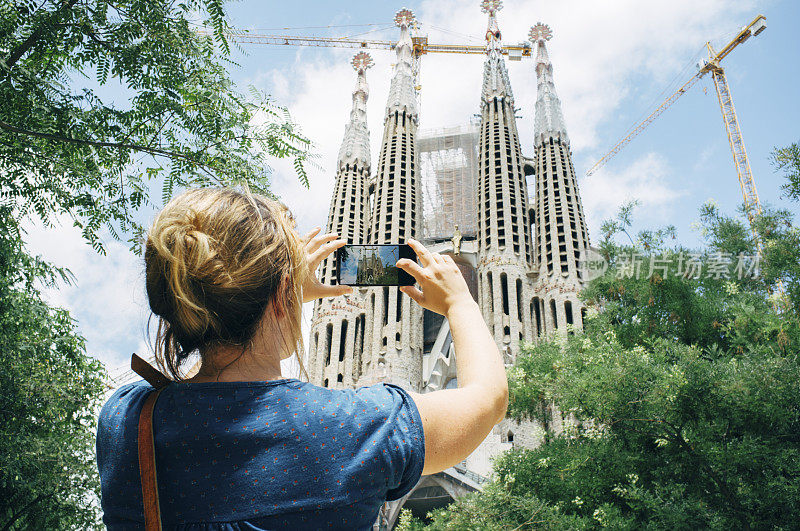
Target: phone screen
[(373, 265)]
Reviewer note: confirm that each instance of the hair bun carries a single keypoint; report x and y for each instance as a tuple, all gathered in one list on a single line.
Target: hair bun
[(214, 260)]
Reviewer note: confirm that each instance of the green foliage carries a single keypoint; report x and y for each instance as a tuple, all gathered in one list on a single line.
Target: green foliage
[(780, 250), (787, 160), (577, 473), (672, 429), (496, 508), (680, 397), (49, 394), (80, 152), (714, 298)]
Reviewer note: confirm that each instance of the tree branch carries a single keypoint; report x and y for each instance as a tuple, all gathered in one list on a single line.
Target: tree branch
[(28, 43), (135, 147)]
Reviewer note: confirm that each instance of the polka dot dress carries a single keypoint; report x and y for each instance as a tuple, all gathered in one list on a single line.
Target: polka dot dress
[(261, 455)]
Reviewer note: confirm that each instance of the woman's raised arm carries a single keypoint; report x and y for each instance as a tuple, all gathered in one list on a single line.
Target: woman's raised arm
[(456, 421)]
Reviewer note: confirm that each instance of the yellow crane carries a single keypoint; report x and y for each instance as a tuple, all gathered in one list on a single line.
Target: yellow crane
[(740, 160), (421, 44), (712, 66)]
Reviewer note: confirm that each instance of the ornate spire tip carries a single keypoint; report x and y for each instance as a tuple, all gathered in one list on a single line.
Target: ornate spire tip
[(404, 17), (361, 61), (491, 6), (540, 32)]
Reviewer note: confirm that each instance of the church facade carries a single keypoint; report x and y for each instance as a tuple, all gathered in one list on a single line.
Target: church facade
[(519, 247)]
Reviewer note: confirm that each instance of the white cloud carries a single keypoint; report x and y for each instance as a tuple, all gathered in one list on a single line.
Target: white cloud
[(646, 179), (107, 297)]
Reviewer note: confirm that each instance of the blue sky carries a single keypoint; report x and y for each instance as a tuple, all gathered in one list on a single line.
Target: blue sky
[(614, 61)]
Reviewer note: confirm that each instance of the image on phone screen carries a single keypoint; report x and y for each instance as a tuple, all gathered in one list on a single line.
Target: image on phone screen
[(373, 265)]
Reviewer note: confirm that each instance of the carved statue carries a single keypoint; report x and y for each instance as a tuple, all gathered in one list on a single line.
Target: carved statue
[(456, 241)]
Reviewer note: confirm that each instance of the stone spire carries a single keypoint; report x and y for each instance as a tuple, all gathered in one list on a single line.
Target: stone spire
[(495, 75), (355, 145), (337, 328), (504, 239), (549, 119), (402, 94), (393, 351), (561, 236)]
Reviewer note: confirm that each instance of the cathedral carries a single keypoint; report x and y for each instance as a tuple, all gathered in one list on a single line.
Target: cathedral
[(513, 223)]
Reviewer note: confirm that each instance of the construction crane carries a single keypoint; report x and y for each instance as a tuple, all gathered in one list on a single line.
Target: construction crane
[(741, 162), (712, 66), (420, 43)]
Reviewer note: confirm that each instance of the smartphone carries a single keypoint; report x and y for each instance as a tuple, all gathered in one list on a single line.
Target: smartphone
[(373, 265)]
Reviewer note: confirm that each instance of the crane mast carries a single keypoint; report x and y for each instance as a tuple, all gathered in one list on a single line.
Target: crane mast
[(740, 160)]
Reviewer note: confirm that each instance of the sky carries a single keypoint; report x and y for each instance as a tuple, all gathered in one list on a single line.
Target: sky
[(614, 62)]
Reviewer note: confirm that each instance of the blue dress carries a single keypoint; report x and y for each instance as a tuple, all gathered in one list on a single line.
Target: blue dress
[(261, 455)]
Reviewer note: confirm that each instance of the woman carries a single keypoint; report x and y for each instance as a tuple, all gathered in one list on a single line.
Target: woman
[(237, 445)]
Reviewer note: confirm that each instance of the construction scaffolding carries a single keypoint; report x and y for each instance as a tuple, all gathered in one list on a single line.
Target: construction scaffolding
[(448, 164)]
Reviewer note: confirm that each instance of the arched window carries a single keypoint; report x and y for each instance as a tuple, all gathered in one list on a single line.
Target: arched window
[(536, 315), (386, 305), (342, 341), (328, 341), (491, 290), (399, 305), (504, 291)]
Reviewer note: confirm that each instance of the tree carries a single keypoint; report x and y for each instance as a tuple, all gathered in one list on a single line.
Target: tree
[(68, 147), (50, 391), (680, 395)]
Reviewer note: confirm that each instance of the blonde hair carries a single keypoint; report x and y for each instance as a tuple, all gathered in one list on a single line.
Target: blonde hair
[(215, 258)]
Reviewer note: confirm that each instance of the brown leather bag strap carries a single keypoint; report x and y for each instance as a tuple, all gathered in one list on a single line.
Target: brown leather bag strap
[(150, 374), (147, 464), (146, 442)]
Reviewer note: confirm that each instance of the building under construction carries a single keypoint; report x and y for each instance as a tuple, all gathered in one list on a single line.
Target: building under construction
[(448, 165)]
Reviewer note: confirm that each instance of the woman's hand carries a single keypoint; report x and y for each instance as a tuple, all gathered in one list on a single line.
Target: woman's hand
[(318, 247), (443, 285)]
